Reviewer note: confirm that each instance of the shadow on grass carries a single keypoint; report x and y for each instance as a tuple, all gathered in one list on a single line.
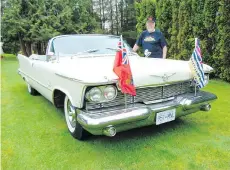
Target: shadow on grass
[(141, 133), (144, 132), (133, 134)]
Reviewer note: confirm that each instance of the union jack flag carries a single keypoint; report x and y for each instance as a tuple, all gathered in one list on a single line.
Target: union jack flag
[(195, 63), (124, 53)]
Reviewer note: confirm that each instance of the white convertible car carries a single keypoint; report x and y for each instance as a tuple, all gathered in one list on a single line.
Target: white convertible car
[(77, 74)]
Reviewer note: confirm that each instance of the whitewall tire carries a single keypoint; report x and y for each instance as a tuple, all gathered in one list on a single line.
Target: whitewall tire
[(74, 127)]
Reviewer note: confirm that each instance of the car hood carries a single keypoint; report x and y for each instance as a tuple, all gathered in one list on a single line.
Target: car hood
[(146, 71)]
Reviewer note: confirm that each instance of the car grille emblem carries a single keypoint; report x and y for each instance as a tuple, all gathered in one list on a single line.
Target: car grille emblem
[(165, 77)]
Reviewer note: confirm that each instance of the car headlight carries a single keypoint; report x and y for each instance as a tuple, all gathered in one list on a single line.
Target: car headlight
[(95, 94), (101, 93), (110, 92)]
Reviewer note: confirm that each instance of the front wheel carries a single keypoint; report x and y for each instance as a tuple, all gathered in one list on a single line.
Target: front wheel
[(75, 129)]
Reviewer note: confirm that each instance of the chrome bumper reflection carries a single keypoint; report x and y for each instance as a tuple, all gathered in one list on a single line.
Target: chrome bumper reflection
[(137, 115)]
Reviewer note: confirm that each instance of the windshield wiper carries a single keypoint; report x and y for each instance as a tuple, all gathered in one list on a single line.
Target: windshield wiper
[(117, 49), (87, 51), (91, 51), (114, 49)]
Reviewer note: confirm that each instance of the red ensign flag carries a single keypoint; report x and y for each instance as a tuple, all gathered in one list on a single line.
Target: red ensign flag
[(122, 69)]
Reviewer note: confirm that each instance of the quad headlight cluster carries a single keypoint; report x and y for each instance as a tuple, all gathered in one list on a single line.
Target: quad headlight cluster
[(102, 93)]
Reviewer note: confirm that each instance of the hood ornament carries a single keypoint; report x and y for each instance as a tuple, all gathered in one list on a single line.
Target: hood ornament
[(165, 77)]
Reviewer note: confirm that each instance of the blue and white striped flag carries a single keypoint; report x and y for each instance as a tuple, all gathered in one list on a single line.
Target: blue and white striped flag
[(195, 64)]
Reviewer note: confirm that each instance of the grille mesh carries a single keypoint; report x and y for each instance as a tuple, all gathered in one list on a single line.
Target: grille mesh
[(144, 95)]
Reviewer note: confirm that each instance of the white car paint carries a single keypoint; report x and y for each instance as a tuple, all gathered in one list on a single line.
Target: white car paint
[(72, 74)]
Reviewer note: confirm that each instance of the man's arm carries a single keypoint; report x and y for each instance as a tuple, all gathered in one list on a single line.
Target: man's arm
[(163, 45), (135, 48), (164, 52), (138, 43)]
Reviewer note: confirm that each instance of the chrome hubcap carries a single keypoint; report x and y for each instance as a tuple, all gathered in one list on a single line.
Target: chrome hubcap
[(71, 114)]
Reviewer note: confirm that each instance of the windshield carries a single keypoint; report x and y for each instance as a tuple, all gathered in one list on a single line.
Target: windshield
[(77, 44)]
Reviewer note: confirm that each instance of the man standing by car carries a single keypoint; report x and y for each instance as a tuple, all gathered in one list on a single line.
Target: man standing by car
[(152, 41)]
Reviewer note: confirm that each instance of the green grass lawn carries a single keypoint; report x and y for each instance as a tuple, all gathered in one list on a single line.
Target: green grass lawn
[(35, 136)]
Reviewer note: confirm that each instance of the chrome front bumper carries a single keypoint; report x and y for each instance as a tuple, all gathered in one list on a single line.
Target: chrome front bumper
[(98, 122)]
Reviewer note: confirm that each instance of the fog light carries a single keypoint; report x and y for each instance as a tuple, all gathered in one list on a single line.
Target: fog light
[(109, 131), (206, 107)]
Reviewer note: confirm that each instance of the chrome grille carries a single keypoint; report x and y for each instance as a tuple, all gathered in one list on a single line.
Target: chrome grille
[(146, 94)]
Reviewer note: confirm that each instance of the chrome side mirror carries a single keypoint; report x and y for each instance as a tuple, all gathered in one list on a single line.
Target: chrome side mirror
[(50, 53), (50, 56)]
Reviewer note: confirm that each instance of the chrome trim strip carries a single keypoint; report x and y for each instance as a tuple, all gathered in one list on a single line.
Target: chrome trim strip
[(87, 83), (158, 101), (73, 79), (166, 84), (35, 81)]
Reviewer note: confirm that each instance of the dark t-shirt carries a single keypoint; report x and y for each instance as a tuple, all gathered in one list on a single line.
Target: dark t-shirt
[(152, 43)]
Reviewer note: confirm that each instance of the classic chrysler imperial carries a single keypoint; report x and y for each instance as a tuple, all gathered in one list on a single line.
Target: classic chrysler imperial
[(77, 74)]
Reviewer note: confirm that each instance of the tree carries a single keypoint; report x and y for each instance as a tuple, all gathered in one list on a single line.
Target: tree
[(185, 37), (117, 17), (144, 9), (210, 30), (222, 51), (173, 48), (16, 24), (198, 18), (130, 17), (11, 43), (34, 22), (111, 7), (164, 17)]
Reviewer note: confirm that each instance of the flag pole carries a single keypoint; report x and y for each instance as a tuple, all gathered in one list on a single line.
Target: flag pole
[(195, 89), (195, 79), (122, 59), (196, 42), (125, 101)]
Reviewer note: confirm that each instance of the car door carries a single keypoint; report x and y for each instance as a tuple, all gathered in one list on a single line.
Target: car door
[(42, 73), (26, 69)]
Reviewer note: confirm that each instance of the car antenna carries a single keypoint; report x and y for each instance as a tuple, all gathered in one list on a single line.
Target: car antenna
[(58, 57)]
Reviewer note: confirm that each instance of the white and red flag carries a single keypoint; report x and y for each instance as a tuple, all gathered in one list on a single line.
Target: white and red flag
[(123, 71)]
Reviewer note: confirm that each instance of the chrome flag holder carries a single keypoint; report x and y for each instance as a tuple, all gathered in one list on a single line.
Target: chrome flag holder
[(125, 95), (128, 87)]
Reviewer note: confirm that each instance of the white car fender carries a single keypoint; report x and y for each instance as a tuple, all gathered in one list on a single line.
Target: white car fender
[(65, 92)]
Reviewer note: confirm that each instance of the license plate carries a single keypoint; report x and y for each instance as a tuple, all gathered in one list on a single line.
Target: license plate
[(165, 116)]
